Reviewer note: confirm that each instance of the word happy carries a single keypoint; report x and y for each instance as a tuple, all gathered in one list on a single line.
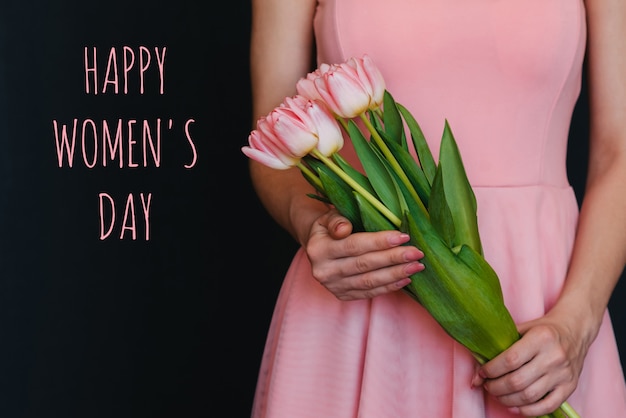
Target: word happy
[(119, 67)]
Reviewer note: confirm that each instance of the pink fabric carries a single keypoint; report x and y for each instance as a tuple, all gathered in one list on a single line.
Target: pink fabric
[(506, 75)]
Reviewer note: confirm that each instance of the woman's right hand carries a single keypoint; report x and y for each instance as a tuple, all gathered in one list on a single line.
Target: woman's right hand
[(359, 265)]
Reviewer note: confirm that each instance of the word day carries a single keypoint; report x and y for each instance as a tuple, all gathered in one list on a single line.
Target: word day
[(129, 217)]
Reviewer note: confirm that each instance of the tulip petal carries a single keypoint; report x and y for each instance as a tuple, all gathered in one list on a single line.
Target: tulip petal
[(306, 87), (343, 94), (265, 158), (329, 134), (376, 80)]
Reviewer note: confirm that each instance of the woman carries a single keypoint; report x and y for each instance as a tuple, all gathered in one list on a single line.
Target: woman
[(344, 342)]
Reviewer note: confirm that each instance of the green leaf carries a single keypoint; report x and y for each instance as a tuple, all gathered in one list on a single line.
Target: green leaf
[(312, 163), (424, 155), (451, 291), (354, 173), (454, 295), (459, 193), (413, 171), (487, 285), (321, 198), (341, 196), (485, 274), (372, 219), (392, 120), (375, 119), (440, 215), (375, 169)]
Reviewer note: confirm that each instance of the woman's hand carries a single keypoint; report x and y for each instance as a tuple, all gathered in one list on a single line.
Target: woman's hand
[(540, 371), (359, 265)]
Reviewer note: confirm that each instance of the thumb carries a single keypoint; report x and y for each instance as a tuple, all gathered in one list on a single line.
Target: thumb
[(338, 226)]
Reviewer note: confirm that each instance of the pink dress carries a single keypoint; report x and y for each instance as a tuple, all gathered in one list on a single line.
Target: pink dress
[(506, 75)]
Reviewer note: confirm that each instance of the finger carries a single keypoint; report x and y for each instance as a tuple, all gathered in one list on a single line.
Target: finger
[(322, 249), (544, 406), (375, 283), (525, 392), (525, 326), (509, 360), (369, 242), (558, 382), (371, 269), (477, 379), (338, 226), (377, 291)]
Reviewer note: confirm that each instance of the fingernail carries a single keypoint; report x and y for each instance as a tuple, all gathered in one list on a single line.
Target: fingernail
[(401, 283), (413, 268), (514, 410), (412, 254), (398, 239)]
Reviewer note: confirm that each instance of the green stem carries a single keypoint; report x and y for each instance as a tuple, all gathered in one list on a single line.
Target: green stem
[(310, 174), (392, 160), (358, 188), (564, 411), (344, 123), (568, 410)]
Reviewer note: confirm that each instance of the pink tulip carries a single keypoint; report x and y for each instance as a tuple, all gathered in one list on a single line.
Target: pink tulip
[(330, 138), (371, 77), (348, 89), (291, 131)]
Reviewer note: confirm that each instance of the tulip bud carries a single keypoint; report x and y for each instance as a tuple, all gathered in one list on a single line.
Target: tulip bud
[(372, 78), (291, 131), (329, 134), (348, 89)]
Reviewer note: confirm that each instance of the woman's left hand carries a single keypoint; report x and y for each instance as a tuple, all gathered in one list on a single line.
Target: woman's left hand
[(539, 372)]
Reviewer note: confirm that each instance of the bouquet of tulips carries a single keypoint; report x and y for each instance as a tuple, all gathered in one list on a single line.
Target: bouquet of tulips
[(431, 201)]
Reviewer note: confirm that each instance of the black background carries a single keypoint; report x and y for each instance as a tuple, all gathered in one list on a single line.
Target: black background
[(168, 327)]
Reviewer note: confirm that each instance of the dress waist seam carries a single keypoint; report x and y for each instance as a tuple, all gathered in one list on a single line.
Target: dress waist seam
[(563, 187)]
